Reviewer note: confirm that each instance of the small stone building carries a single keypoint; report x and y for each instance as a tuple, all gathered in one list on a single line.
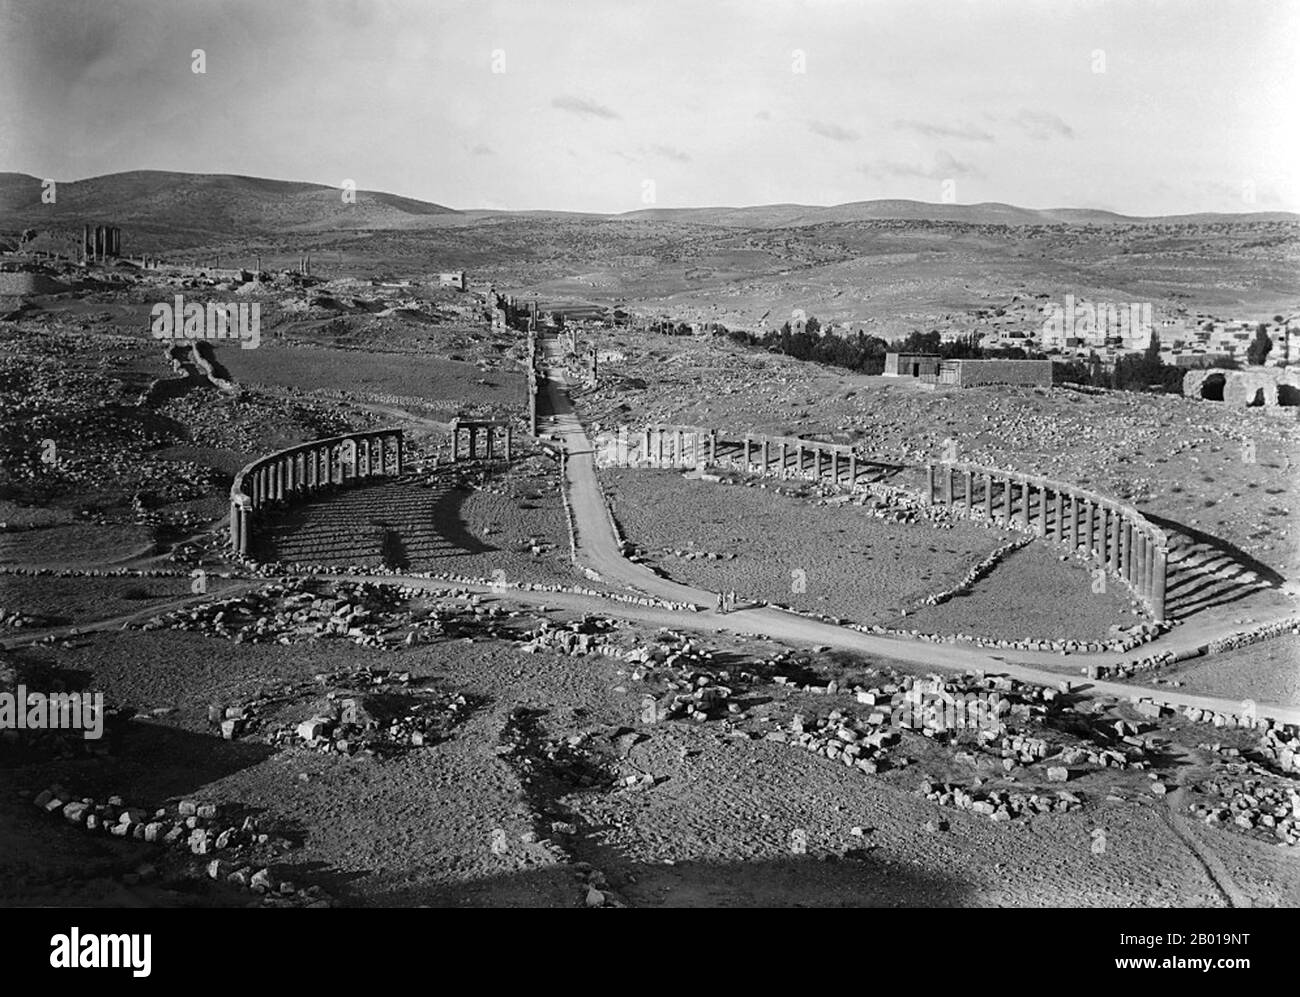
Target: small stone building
[(976, 373), (454, 278), (911, 364)]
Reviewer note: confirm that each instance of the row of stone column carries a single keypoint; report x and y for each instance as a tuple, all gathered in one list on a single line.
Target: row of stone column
[(491, 431), (763, 454), (1118, 538), (100, 242), (306, 470)]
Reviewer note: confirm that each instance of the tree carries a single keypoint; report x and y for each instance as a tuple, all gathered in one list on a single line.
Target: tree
[(1259, 347)]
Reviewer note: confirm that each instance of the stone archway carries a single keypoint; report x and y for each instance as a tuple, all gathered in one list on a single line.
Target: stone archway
[(1212, 387)]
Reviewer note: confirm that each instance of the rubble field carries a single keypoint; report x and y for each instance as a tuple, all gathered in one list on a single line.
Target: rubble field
[(509, 755)]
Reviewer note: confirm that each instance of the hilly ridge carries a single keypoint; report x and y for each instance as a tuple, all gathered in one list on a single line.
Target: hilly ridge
[(225, 205)]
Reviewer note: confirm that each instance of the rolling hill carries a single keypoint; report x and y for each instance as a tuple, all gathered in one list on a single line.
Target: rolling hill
[(197, 208)]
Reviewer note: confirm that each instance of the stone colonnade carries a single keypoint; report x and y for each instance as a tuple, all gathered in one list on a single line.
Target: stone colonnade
[(492, 430), (693, 446), (791, 457), (657, 446), (100, 242), (1117, 536), (305, 470)]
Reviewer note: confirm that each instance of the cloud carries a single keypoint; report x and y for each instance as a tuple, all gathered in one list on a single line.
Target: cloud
[(668, 152), (966, 132), (1042, 125), (764, 115), (482, 150), (580, 105), (942, 167), (832, 131)]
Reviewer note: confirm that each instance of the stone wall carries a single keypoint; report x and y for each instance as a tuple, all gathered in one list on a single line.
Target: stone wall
[(1267, 387), (974, 373)]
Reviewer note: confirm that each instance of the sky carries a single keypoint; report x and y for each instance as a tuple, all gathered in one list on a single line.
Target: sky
[(1144, 107)]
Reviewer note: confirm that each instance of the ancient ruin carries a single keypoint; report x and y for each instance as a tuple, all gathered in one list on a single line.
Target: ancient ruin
[(492, 430), (1268, 387), (100, 242), (1118, 537), (305, 471)]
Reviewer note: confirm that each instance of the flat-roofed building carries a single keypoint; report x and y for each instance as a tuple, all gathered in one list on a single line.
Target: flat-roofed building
[(911, 364)]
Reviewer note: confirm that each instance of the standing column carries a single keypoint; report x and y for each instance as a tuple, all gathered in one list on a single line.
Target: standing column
[(1144, 565), (929, 484), (947, 485), (234, 525), (677, 447), (1158, 583), (398, 454), (1042, 510), (85, 243), (645, 444), (1089, 511), (988, 496), (244, 527), (1126, 550), (835, 467), (968, 480), (290, 477), (713, 446), (798, 457), (1006, 500), (1059, 523), (1112, 540), (365, 465), (1026, 501), (1072, 534), (659, 447), (622, 439), (1151, 572), (853, 469), (781, 457)]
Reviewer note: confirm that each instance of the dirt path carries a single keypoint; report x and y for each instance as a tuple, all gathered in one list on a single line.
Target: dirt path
[(1175, 815)]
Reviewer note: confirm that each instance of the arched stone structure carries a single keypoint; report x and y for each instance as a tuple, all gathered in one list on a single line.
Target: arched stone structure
[(1267, 387), (307, 469), (492, 429), (1118, 537)]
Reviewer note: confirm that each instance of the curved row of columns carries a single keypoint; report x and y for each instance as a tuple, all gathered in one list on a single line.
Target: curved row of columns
[(1117, 536), (790, 456), (307, 469), (660, 445), (657, 446)]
